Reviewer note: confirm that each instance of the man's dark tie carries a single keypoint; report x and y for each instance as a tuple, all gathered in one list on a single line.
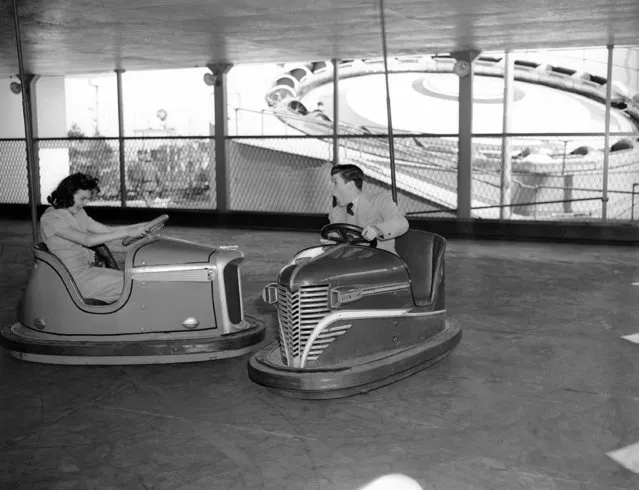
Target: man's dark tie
[(349, 209)]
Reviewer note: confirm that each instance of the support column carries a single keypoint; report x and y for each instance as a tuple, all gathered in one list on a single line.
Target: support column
[(32, 166), (335, 112), (123, 190), (505, 195), (218, 79), (464, 69), (604, 196), (29, 93)]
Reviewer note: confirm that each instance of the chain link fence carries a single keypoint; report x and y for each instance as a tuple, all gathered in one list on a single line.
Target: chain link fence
[(551, 178), (556, 178), (14, 181), (177, 173)]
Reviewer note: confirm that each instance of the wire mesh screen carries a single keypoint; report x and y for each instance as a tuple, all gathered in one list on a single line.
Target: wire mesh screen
[(553, 178), (13, 172), (170, 172), (158, 172), (293, 174), (279, 174), (550, 178)]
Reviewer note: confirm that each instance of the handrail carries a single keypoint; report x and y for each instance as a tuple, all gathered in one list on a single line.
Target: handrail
[(498, 206)]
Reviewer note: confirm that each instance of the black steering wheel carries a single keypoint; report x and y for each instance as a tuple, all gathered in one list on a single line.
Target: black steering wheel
[(154, 226), (346, 234)]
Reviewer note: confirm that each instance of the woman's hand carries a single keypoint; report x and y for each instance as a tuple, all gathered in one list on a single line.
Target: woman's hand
[(137, 230)]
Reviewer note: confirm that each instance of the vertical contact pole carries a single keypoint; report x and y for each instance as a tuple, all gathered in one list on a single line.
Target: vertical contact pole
[(391, 142), (123, 191), (28, 128), (335, 113), (604, 197)]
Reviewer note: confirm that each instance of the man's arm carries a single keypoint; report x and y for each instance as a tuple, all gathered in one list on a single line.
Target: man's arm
[(394, 223)]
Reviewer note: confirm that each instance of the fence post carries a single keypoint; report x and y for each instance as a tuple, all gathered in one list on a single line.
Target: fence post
[(123, 190)]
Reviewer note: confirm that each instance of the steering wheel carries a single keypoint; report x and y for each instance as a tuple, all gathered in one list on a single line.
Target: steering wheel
[(154, 226), (346, 234)]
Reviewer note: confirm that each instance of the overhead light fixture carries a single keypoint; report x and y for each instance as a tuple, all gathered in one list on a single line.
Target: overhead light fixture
[(461, 68), (209, 79)]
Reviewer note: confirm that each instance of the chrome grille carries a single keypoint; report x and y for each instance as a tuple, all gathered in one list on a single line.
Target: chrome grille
[(299, 313)]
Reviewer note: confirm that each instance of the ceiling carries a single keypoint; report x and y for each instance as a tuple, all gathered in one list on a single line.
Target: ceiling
[(62, 37)]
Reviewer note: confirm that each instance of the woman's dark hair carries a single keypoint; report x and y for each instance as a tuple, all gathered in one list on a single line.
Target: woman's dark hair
[(62, 196)]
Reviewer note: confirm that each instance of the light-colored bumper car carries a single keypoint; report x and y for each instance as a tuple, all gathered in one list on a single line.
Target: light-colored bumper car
[(181, 302)]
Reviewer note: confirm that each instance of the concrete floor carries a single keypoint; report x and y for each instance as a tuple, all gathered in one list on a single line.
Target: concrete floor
[(541, 387)]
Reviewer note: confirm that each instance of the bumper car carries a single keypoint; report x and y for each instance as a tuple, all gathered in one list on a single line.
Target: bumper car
[(353, 318), (181, 302)]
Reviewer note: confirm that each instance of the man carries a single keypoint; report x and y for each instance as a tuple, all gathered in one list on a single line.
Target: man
[(377, 214)]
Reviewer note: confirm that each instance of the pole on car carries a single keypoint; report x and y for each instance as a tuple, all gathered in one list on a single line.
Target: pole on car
[(25, 81), (391, 142)]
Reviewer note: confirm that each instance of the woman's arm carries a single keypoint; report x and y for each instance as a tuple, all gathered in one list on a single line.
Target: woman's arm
[(97, 227), (92, 239)]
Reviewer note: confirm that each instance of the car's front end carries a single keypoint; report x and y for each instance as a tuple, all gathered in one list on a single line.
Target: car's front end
[(348, 322)]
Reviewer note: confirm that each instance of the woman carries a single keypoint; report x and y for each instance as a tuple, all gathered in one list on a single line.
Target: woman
[(68, 231)]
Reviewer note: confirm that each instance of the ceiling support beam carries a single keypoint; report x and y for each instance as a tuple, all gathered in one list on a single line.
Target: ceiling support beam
[(464, 69), (217, 76)]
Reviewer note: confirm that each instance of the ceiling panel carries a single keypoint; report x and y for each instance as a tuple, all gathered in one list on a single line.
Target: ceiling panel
[(84, 36)]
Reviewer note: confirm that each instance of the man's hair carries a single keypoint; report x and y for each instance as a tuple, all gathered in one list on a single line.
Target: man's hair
[(62, 196), (350, 173)]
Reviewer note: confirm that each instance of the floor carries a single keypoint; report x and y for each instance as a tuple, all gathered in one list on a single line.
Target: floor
[(541, 387)]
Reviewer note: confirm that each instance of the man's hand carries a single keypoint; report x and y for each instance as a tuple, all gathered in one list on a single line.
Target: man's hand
[(371, 232)]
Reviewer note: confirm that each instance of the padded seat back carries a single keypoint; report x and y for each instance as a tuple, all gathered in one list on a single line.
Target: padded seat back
[(42, 247), (104, 257), (89, 301), (423, 253)]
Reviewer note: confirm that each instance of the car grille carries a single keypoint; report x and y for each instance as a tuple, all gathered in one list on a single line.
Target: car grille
[(299, 313)]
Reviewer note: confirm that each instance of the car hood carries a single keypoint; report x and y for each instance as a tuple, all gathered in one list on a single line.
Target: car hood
[(171, 251), (344, 265)]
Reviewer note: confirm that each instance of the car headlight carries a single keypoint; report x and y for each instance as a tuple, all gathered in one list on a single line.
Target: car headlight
[(269, 294)]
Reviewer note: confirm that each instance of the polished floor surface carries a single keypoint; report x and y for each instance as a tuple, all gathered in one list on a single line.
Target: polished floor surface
[(541, 387)]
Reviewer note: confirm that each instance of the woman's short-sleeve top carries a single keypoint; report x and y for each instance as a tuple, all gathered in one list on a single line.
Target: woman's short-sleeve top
[(75, 256)]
